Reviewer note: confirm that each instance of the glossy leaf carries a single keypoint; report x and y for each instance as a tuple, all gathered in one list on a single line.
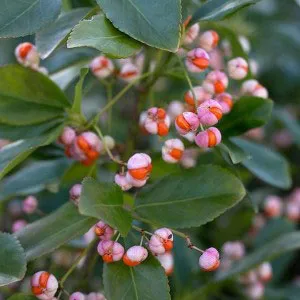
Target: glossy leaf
[(247, 113), (145, 281), (200, 196), (283, 244), (265, 163), (12, 259), (235, 153), (49, 38), (22, 89), (219, 9), (155, 23), (76, 108), (100, 34), (20, 18), (33, 178), (105, 201), (54, 230), (14, 132), (14, 153)]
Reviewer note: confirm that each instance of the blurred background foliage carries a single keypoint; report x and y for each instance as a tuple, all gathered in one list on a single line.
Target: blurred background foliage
[(273, 28)]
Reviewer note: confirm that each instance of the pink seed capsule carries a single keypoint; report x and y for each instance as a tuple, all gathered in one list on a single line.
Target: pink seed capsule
[(175, 108), (264, 272), (122, 182), (44, 285), (30, 204), (110, 251), (197, 60), (226, 102), (103, 231), (237, 68), (249, 278), (172, 151), (75, 193), (257, 134), (18, 225), (68, 136), (255, 290), (186, 123), (216, 59), (208, 138), (209, 40), (216, 82), (200, 93), (95, 296), (234, 250), (161, 241), (27, 55), (129, 72), (273, 206), (86, 148), (77, 296), (139, 169), (157, 121), (167, 262), (191, 34), (292, 211), (135, 255), (209, 260), (3, 143), (102, 67), (253, 88), (209, 112), (189, 158)]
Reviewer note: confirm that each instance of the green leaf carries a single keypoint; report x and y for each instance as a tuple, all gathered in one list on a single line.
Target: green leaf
[(12, 259), (235, 153), (100, 34), (22, 296), (33, 178), (200, 196), (23, 89), (145, 281), (14, 153), (20, 18), (283, 244), (154, 23), (265, 163), (13, 132), (54, 230), (219, 9), (49, 38), (76, 108), (290, 123), (105, 201), (247, 113)]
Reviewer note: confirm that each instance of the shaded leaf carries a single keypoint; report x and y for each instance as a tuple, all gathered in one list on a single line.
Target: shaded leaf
[(12, 259), (100, 34), (266, 164), (54, 230), (247, 113), (32, 178), (22, 296), (14, 153), (105, 201), (155, 23), (20, 18), (49, 38), (145, 281), (200, 196)]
